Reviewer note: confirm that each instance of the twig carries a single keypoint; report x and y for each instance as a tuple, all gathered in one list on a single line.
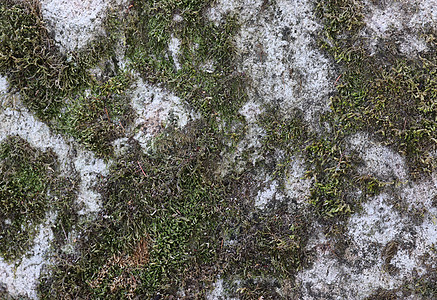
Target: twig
[(141, 168), (338, 78), (124, 130), (65, 234), (107, 114)]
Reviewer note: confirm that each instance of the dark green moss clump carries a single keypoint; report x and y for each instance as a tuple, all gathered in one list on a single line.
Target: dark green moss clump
[(165, 202), (31, 61), (97, 118), (269, 248), (29, 189)]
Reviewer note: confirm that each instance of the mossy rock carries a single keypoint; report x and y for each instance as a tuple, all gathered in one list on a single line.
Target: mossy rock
[(30, 188)]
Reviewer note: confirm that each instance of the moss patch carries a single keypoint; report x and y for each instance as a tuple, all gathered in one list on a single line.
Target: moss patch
[(97, 118), (61, 90), (267, 250), (31, 61), (386, 94), (168, 201), (168, 223), (210, 91), (330, 166), (29, 189)]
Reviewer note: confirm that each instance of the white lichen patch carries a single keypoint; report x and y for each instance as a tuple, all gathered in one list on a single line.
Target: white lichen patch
[(156, 108), (174, 46), (420, 194), (250, 111), (22, 279), (366, 267), (74, 22), (120, 145), (405, 22), (218, 292), (267, 193), (89, 168), (277, 51), (3, 86), (296, 186), (250, 144), (22, 123), (362, 272), (379, 161), (378, 223)]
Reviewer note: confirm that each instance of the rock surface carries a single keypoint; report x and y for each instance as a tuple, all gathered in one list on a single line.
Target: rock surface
[(387, 245)]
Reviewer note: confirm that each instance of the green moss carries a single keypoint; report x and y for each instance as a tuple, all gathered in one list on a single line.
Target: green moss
[(381, 294), (29, 189), (30, 60), (54, 86), (218, 91), (190, 225), (167, 197), (385, 94), (269, 248), (99, 117), (330, 166), (425, 285)]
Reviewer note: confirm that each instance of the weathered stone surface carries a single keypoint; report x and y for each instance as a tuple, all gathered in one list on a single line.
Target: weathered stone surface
[(385, 248)]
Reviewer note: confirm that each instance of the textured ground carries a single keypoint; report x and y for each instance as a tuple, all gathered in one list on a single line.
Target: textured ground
[(330, 212)]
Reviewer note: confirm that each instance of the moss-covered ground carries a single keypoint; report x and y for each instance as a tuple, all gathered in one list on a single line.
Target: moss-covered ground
[(169, 224), (61, 90), (30, 189)]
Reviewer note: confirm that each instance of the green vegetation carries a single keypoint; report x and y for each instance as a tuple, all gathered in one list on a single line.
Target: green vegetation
[(330, 166), (30, 188), (30, 60), (62, 92), (381, 294), (165, 200), (54, 86), (99, 117), (387, 94), (268, 250), (166, 222), (169, 223), (425, 285), (212, 90)]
